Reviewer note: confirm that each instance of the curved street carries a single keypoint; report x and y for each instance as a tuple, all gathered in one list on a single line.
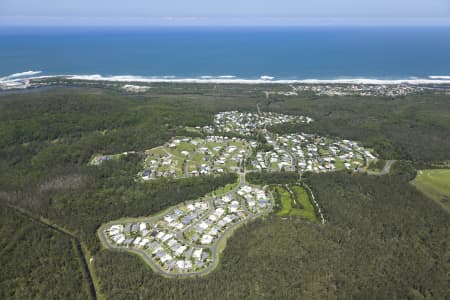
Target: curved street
[(214, 247)]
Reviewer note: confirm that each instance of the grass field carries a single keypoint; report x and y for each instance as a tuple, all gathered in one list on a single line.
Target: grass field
[(285, 201), (159, 151), (339, 165), (183, 146), (226, 189), (435, 184), (302, 198), (300, 206)]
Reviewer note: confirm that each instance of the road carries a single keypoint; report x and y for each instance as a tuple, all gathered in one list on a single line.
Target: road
[(386, 169), (257, 107), (294, 163), (214, 247)]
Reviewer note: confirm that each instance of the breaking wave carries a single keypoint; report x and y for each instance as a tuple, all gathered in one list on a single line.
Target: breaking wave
[(228, 79)]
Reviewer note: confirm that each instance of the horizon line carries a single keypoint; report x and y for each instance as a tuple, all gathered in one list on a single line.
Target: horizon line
[(13, 25), (192, 21)]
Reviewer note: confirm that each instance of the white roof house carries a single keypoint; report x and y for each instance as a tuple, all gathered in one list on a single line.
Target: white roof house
[(203, 225), (180, 250), (197, 253), (206, 239), (166, 258), (144, 242), (180, 264), (219, 211)]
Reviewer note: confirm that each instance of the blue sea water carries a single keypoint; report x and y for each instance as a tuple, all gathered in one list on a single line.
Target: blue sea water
[(284, 53)]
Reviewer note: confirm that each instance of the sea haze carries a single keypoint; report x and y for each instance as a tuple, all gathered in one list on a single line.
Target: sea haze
[(249, 53)]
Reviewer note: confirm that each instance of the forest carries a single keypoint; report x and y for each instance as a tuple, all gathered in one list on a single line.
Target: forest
[(37, 262), (382, 238), (263, 178)]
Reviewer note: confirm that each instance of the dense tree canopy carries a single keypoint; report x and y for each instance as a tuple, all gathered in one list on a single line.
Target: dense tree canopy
[(382, 239)]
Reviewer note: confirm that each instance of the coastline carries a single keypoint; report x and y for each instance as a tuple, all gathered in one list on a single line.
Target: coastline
[(261, 80), (24, 80)]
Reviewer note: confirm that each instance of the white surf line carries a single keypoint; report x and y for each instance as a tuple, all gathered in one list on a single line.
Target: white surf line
[(430, 80), (19, 76)]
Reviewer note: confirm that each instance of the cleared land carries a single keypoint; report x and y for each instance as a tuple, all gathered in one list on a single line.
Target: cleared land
[(293, 201), (435, 184), (302, 199), (224, 190)]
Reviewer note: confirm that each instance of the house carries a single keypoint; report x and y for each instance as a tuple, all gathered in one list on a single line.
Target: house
[(165, 258), (146, 174), (206, 239), (188, 253), (195, 237), (180, 250), (219, 211), (167, 237), (169, 218), (187, 265), (203, 225), (144, 242), (197, 254), (180, 264), (115, 229), (187, 220)]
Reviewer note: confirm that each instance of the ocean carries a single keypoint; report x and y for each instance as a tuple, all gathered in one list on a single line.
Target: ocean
[(228, 53)]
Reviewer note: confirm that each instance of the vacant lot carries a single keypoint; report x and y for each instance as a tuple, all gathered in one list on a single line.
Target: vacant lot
[(302, 199), (293, 200)]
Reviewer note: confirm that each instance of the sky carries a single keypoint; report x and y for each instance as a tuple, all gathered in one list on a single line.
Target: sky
[(225, 12)]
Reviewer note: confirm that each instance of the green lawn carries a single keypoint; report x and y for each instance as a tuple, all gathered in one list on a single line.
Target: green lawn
[(286, 202), (197, 157), (192, 129), (195, 162), (223, 190), (323, 152), (229, 164), (435, 184), (303, 199), (211, 145), (289, 207), (339, 164), (156, 152), (183, 146)]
